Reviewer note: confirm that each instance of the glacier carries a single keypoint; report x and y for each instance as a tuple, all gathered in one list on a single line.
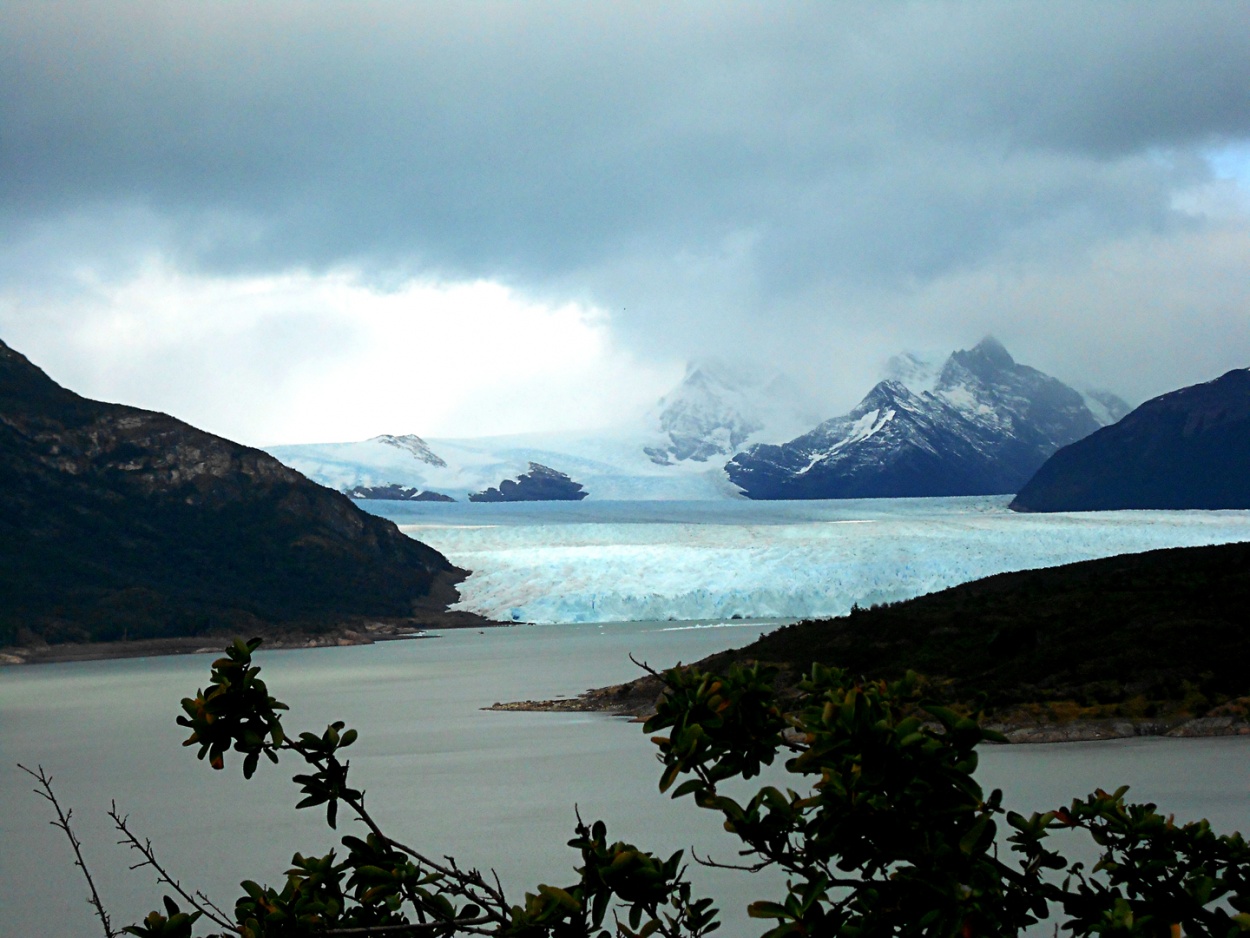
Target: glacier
[(612, 465), (570, 562)]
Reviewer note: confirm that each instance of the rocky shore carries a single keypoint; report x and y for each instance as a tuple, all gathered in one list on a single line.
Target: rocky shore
[(636, 701)]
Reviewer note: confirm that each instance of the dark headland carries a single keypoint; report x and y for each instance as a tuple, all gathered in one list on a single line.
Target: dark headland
[(1186, 449), (1140, 644), (124, 531)]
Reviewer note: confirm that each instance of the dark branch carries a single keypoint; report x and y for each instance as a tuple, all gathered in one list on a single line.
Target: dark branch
[(646, 667), (717, 865), (208, 908), (62, 822), (413, 927)]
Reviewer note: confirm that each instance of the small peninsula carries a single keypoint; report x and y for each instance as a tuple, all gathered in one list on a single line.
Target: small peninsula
[(1138, 644)]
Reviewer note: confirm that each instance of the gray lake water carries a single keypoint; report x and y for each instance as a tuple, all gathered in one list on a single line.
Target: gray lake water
[(494, 789)]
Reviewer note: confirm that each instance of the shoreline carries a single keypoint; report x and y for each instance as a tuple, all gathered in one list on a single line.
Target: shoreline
[(626, 701), (364, 632)]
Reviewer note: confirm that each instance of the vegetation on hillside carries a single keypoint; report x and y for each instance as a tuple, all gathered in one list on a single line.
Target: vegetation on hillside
[(117, 522), (1157, 636)]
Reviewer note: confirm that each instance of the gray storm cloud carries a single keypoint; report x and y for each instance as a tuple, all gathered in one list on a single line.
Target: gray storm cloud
[(821, 183)]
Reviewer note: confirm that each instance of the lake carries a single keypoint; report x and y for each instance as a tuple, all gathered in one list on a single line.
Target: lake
[(494, 789), (499, 789)]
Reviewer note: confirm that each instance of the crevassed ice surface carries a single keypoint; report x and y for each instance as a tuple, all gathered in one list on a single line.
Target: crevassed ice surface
[(630, 561)]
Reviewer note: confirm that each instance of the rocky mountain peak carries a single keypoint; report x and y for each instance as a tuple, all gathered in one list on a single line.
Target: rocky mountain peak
[(887, 393), (992, 352), (983, 427), (987, 362)]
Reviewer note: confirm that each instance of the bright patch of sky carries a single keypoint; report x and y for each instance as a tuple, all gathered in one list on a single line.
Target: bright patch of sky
[(1225, 198), (301, 357), (1232, 162)]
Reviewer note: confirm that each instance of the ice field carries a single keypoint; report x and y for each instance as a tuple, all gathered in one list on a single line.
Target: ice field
[(611, 466), (560, 562)]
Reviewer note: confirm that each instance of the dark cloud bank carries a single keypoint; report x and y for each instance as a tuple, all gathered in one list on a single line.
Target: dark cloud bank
[(820, 183)]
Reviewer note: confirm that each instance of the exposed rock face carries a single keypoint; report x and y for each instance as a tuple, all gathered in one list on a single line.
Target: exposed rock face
[(1186, 449), (540, 484), (411, 443), (118, 521), (397, 493), (981, 426)]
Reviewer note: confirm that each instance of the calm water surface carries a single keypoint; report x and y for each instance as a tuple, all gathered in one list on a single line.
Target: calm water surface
[(494, 789)]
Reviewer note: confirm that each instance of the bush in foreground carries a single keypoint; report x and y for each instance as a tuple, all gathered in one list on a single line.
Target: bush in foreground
[(887, 832)]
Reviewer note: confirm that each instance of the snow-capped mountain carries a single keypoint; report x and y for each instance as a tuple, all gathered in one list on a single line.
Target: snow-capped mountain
[(976, 423), (979, 425), (718, 409)]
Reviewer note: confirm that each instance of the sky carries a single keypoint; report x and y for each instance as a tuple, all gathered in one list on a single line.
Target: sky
[(302, 222)]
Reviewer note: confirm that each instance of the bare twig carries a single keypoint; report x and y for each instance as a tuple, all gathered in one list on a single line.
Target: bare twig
[(209, 903), (414, 927), (717, 865), (62, 822), (198, 901), (646, 667)]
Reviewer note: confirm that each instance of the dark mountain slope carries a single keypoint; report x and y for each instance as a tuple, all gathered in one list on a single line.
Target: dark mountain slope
[(1186, 449), (116, 521)]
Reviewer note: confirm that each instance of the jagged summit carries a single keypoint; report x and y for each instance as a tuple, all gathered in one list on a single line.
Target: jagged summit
[(979, 424), (989, 354)]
